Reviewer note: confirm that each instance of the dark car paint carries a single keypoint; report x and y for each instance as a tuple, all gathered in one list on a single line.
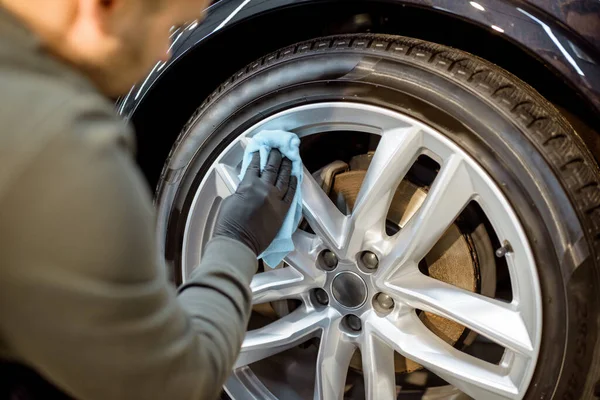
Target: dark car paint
[(583, 16), (565, 35)]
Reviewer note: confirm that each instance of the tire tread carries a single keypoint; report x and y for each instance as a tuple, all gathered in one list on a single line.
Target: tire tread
[(539, 120)]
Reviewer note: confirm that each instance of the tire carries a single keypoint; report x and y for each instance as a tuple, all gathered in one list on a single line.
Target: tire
[(520, 139)]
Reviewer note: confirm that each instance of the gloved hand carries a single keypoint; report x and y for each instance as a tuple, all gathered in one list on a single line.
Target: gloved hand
[(255, 212)]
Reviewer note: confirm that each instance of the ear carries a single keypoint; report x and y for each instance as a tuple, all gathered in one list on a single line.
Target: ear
[(107, 7), (107, 4), (104, 14)]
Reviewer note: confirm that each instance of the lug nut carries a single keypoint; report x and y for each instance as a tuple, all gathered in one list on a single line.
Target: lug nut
[(369, 260), (385, 301), (321, 297), (353, 323), (329, 260)]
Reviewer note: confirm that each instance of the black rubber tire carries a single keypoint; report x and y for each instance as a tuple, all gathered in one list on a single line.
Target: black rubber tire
[(519, 138)]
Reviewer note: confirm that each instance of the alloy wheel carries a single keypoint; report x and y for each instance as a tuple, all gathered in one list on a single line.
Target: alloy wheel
[(358, 287)]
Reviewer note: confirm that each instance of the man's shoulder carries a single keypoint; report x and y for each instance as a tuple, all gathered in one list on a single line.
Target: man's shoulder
[(38, 108), (35, 102)]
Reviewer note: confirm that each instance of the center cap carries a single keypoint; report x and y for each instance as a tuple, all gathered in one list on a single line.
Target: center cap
[(349, 289)]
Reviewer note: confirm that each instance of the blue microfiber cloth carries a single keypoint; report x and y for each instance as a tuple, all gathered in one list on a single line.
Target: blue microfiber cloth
[(289, 146)]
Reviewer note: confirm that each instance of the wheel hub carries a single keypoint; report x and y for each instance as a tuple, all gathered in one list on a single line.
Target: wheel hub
[(349, 289)]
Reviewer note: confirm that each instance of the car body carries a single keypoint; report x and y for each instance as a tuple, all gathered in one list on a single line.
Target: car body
[(563, 35)]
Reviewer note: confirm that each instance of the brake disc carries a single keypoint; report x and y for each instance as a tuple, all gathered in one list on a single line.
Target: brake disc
[(449, 261)]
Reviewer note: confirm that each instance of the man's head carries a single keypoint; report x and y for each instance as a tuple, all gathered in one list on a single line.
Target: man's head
[(114, 42)]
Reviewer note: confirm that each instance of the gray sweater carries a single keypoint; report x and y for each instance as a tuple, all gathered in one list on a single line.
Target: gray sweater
[(84, 296)]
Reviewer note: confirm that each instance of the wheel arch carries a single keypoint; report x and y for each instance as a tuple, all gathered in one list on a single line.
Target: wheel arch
[(237, 32)]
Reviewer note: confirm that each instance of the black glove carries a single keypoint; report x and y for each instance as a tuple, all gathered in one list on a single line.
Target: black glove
[(255, 212)]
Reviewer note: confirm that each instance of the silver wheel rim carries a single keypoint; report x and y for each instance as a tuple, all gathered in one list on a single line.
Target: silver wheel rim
[(516, 326)]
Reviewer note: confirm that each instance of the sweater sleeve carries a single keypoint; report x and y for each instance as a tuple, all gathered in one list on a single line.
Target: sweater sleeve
[(84, 297)]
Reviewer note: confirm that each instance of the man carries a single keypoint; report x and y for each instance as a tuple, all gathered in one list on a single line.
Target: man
[(85, 305)]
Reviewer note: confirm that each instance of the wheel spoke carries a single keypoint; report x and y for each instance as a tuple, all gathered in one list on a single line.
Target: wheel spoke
[(477, 378), (303, 257), (227, 179), (244, 141), (278, 284), (320, 212), (280, 335), (378, 368), (395, 154), (498, 321), (452, 190), (335, 352)]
